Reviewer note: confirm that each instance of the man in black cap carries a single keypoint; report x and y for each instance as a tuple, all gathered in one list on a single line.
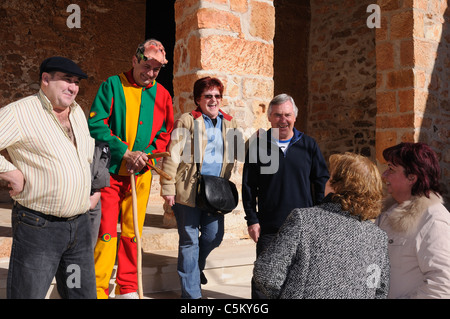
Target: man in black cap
[(49, 176), (58, 63)]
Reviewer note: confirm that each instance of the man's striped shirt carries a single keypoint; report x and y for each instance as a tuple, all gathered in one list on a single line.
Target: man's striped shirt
[(57, 173)]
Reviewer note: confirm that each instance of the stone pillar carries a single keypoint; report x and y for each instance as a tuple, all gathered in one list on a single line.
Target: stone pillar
[(412, 48), (233, 41)]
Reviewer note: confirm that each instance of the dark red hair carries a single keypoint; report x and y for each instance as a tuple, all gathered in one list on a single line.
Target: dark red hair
[(420, 160), (206, 83)]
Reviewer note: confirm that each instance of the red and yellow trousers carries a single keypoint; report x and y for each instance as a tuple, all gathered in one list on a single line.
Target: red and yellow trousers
[(117, 200)]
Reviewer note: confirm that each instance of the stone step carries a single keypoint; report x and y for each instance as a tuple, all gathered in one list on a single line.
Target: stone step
[(229, 265), (228, 269), (160, 233)]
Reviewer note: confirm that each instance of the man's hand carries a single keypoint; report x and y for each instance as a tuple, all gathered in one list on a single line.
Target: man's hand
[(15, 180), (94, 199), (135, 161), (254, 231)]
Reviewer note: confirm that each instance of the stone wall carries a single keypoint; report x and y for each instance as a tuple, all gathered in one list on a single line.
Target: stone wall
[(291, 53), (413, 73), (233, 41), (342, 78), (367, 89), (432, 55), (34, 30)]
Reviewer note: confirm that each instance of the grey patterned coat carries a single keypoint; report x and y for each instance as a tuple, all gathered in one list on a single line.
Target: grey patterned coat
[(324, 252)]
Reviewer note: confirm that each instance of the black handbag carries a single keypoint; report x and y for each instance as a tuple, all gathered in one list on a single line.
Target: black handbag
[(216, 195)]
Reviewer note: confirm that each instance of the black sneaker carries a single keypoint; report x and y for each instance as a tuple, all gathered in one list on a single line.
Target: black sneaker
[(203, 279)]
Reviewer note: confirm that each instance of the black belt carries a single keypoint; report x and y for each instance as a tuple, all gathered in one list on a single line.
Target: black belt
[(50, 218)]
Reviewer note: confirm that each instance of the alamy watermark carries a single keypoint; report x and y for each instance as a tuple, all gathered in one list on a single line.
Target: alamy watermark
[(74, 20), (374, 20), (74, 279), (374, 276), (186, 147)]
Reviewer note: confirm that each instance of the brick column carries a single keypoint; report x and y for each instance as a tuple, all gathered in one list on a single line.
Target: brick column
[(231, 40), (412, 77), (396, 79)]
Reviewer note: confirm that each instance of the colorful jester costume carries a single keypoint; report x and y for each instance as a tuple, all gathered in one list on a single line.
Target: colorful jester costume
[(126, 116)]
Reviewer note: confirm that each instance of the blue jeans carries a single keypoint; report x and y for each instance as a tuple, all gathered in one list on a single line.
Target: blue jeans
[(192, 248), (45, 247)]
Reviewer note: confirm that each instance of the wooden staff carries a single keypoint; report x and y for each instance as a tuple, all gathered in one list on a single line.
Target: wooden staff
[(136, 220), (138, 237), (156, 155), (157, 169)]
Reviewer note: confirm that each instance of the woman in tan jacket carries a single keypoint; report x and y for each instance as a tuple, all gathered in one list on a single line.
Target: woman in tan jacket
[(199, 137), (417, 223)]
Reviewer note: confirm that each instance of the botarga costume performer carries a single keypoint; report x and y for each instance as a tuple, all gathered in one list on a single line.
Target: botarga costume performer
[(132, 113)]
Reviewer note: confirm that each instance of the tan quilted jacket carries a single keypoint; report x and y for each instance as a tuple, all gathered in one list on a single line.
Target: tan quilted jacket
[(181, 165)]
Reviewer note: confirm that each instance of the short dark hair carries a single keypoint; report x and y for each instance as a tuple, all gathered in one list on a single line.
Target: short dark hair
[(204, 84), (420, 160)]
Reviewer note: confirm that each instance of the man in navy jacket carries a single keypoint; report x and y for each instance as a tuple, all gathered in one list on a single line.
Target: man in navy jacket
[(284, 169)]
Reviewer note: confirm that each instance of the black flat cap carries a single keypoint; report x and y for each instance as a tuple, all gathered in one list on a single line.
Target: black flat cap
[(58, 63)]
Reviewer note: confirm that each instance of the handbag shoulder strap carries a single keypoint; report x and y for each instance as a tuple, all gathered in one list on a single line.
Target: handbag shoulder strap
[(198, 170)]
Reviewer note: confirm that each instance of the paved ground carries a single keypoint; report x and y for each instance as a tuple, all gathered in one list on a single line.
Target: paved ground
[(228, 268)]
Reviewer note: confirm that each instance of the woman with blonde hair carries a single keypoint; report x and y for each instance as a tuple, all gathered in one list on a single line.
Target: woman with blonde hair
[(332, 250)]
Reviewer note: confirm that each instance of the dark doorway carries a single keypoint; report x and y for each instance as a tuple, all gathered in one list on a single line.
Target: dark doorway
[(160, 25), (291, 48)]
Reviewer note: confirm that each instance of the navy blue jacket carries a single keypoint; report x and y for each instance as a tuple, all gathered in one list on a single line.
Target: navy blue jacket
[(297, 181)]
